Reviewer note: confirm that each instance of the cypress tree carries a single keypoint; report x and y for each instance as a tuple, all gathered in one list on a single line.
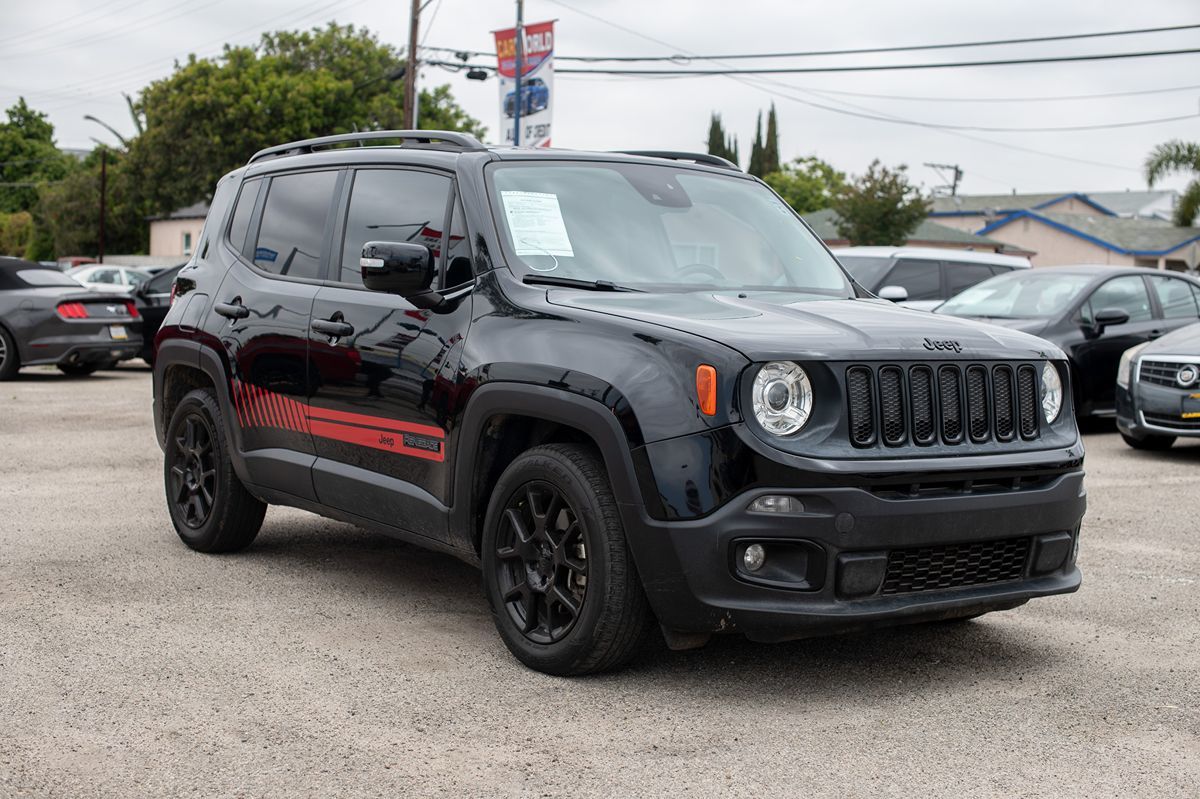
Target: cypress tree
[(716, 136), (756, 150), (770, 154)]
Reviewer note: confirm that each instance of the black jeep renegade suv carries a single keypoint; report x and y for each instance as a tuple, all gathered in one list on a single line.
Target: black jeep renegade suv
[(633, 387)]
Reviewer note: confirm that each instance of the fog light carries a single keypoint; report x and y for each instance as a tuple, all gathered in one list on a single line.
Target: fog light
[(777, 503), (754, 557)]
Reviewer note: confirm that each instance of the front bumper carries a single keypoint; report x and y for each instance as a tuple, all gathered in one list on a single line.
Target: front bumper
[(1146, 409), (854, 537)]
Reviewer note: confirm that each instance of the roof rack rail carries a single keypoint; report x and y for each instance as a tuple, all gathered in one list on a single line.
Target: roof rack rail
[(698, 158), (462, 141)]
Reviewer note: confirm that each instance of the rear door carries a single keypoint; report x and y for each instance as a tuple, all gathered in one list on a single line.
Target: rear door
[(961, 275), (278, 242), (383, 391)]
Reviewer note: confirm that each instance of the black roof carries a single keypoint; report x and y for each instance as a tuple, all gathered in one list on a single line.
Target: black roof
[(10, 262)]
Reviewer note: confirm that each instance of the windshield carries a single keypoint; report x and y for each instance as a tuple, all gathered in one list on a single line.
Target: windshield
[(867, 270), (656, 227), (47, 277), (1024, 294)]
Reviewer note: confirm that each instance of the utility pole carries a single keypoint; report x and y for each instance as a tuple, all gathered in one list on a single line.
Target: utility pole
[(954, 170), (410, 74), (103, 197), (520, 41)]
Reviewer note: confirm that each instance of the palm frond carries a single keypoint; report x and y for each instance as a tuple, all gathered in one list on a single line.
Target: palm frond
[(1172, 156), (1189, 205)]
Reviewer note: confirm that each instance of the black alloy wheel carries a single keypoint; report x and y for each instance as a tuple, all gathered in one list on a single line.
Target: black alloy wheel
[(541, 562), (193, 487)]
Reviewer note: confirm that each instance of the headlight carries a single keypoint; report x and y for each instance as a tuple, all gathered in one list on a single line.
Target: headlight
[(1052, 392), (782, 397), (1125, 365)]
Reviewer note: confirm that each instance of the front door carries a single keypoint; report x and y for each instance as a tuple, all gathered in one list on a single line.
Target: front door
[(1098, 357), (383, 387)]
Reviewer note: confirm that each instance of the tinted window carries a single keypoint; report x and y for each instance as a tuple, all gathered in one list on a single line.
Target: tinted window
[(922, 279), (293, 224), (47, 277), (392, 205), (458, 253), (1175, 297), (866, 270), (109, 277), (241, 215), (1127, 293), (961, 276), (163, 280)]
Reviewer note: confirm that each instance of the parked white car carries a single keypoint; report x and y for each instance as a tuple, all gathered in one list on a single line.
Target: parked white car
[(106, 278), (923, 277)]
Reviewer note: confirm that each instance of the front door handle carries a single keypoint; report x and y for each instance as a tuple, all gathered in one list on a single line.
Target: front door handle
[(334, 328), (232, 310)]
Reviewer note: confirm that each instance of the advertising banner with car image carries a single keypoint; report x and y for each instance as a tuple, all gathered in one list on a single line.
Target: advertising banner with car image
[(537, 83)]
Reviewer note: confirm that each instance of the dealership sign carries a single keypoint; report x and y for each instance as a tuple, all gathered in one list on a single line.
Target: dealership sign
[(537, 83)]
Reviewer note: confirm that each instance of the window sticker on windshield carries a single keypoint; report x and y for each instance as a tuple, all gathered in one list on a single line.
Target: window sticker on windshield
[(536, 223)]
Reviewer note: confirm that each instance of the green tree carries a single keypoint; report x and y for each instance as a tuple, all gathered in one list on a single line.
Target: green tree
[(770, 152), (1178, 156), (16, 232), (880, 207), (28, 157), (719, 142), (807, 184), (210, 115), (755, 166), (69, 210)]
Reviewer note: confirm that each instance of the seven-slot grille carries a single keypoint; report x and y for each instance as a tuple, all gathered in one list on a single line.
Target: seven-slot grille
[(955, 565), (925, 403), (1159, 373)]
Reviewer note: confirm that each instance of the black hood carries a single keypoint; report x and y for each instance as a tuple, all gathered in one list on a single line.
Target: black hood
[(1033, 327), (769, 325), (1184, 341)]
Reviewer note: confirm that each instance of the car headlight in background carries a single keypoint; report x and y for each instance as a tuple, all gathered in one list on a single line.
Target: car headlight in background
[(782, 397), (1052, 392), (1125, 366)]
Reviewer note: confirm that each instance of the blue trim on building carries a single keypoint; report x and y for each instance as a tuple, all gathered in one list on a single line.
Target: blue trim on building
[(1078, 234), (1040, 206)]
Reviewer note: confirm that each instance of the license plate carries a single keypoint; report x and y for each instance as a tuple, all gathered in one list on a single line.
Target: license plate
[(117, 332), (1191, 407)]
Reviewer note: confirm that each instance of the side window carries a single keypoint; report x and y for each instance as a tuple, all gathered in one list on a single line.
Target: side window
[(961, 276), (1176, 298), (292, 232), (922, 279), (240, 225), (392, 205), (109, 277), (458, 252), (1127, 293)]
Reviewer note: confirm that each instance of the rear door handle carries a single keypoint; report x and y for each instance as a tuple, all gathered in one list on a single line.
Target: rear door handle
[(334, 328), (232, 310)]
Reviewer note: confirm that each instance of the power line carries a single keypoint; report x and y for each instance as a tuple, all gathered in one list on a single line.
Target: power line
[(850, 51), (880, 67), (1041, 99)]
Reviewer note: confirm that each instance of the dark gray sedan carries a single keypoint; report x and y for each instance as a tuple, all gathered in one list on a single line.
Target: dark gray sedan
[(1158, 390), (49, 318)]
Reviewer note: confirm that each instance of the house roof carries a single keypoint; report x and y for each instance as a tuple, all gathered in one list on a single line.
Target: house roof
[(824, 224), (978, 204), (1120, 234), (1128, 203), (194, 211)]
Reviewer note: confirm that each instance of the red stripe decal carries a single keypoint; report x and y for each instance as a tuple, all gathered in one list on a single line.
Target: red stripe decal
[(386, 441), (276, 402), (328, 415)]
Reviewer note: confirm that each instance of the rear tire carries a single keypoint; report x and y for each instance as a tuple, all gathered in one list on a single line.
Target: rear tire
[(211, 510), (1149, 443), (10, 359), (78, 369), (557, 571)]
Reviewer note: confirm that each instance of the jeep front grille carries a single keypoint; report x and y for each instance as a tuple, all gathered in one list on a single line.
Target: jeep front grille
[(955, 565), (893, 405)]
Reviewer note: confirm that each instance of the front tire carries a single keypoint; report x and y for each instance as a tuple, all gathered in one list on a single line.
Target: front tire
[(1150, 443), (557, 572), (211, 510)]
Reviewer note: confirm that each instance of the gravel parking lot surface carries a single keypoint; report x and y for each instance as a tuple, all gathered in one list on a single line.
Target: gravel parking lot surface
[(328, 661)]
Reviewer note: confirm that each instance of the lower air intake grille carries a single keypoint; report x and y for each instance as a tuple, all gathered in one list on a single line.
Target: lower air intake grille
[(955, 565)]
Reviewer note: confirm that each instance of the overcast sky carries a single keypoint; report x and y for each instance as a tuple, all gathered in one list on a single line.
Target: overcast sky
[(76, 57)]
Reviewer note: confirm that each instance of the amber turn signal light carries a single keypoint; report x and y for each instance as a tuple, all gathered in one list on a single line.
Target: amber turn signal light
[(706, 389)]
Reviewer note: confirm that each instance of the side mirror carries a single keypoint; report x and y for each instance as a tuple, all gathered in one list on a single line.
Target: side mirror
[(893, 293), (397, 267), (1107, 317)]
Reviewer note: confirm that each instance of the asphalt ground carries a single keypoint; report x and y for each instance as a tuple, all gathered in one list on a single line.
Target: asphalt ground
[(329, 661)]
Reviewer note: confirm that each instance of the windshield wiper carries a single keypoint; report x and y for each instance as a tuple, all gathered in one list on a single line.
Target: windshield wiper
[(573, 283)]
